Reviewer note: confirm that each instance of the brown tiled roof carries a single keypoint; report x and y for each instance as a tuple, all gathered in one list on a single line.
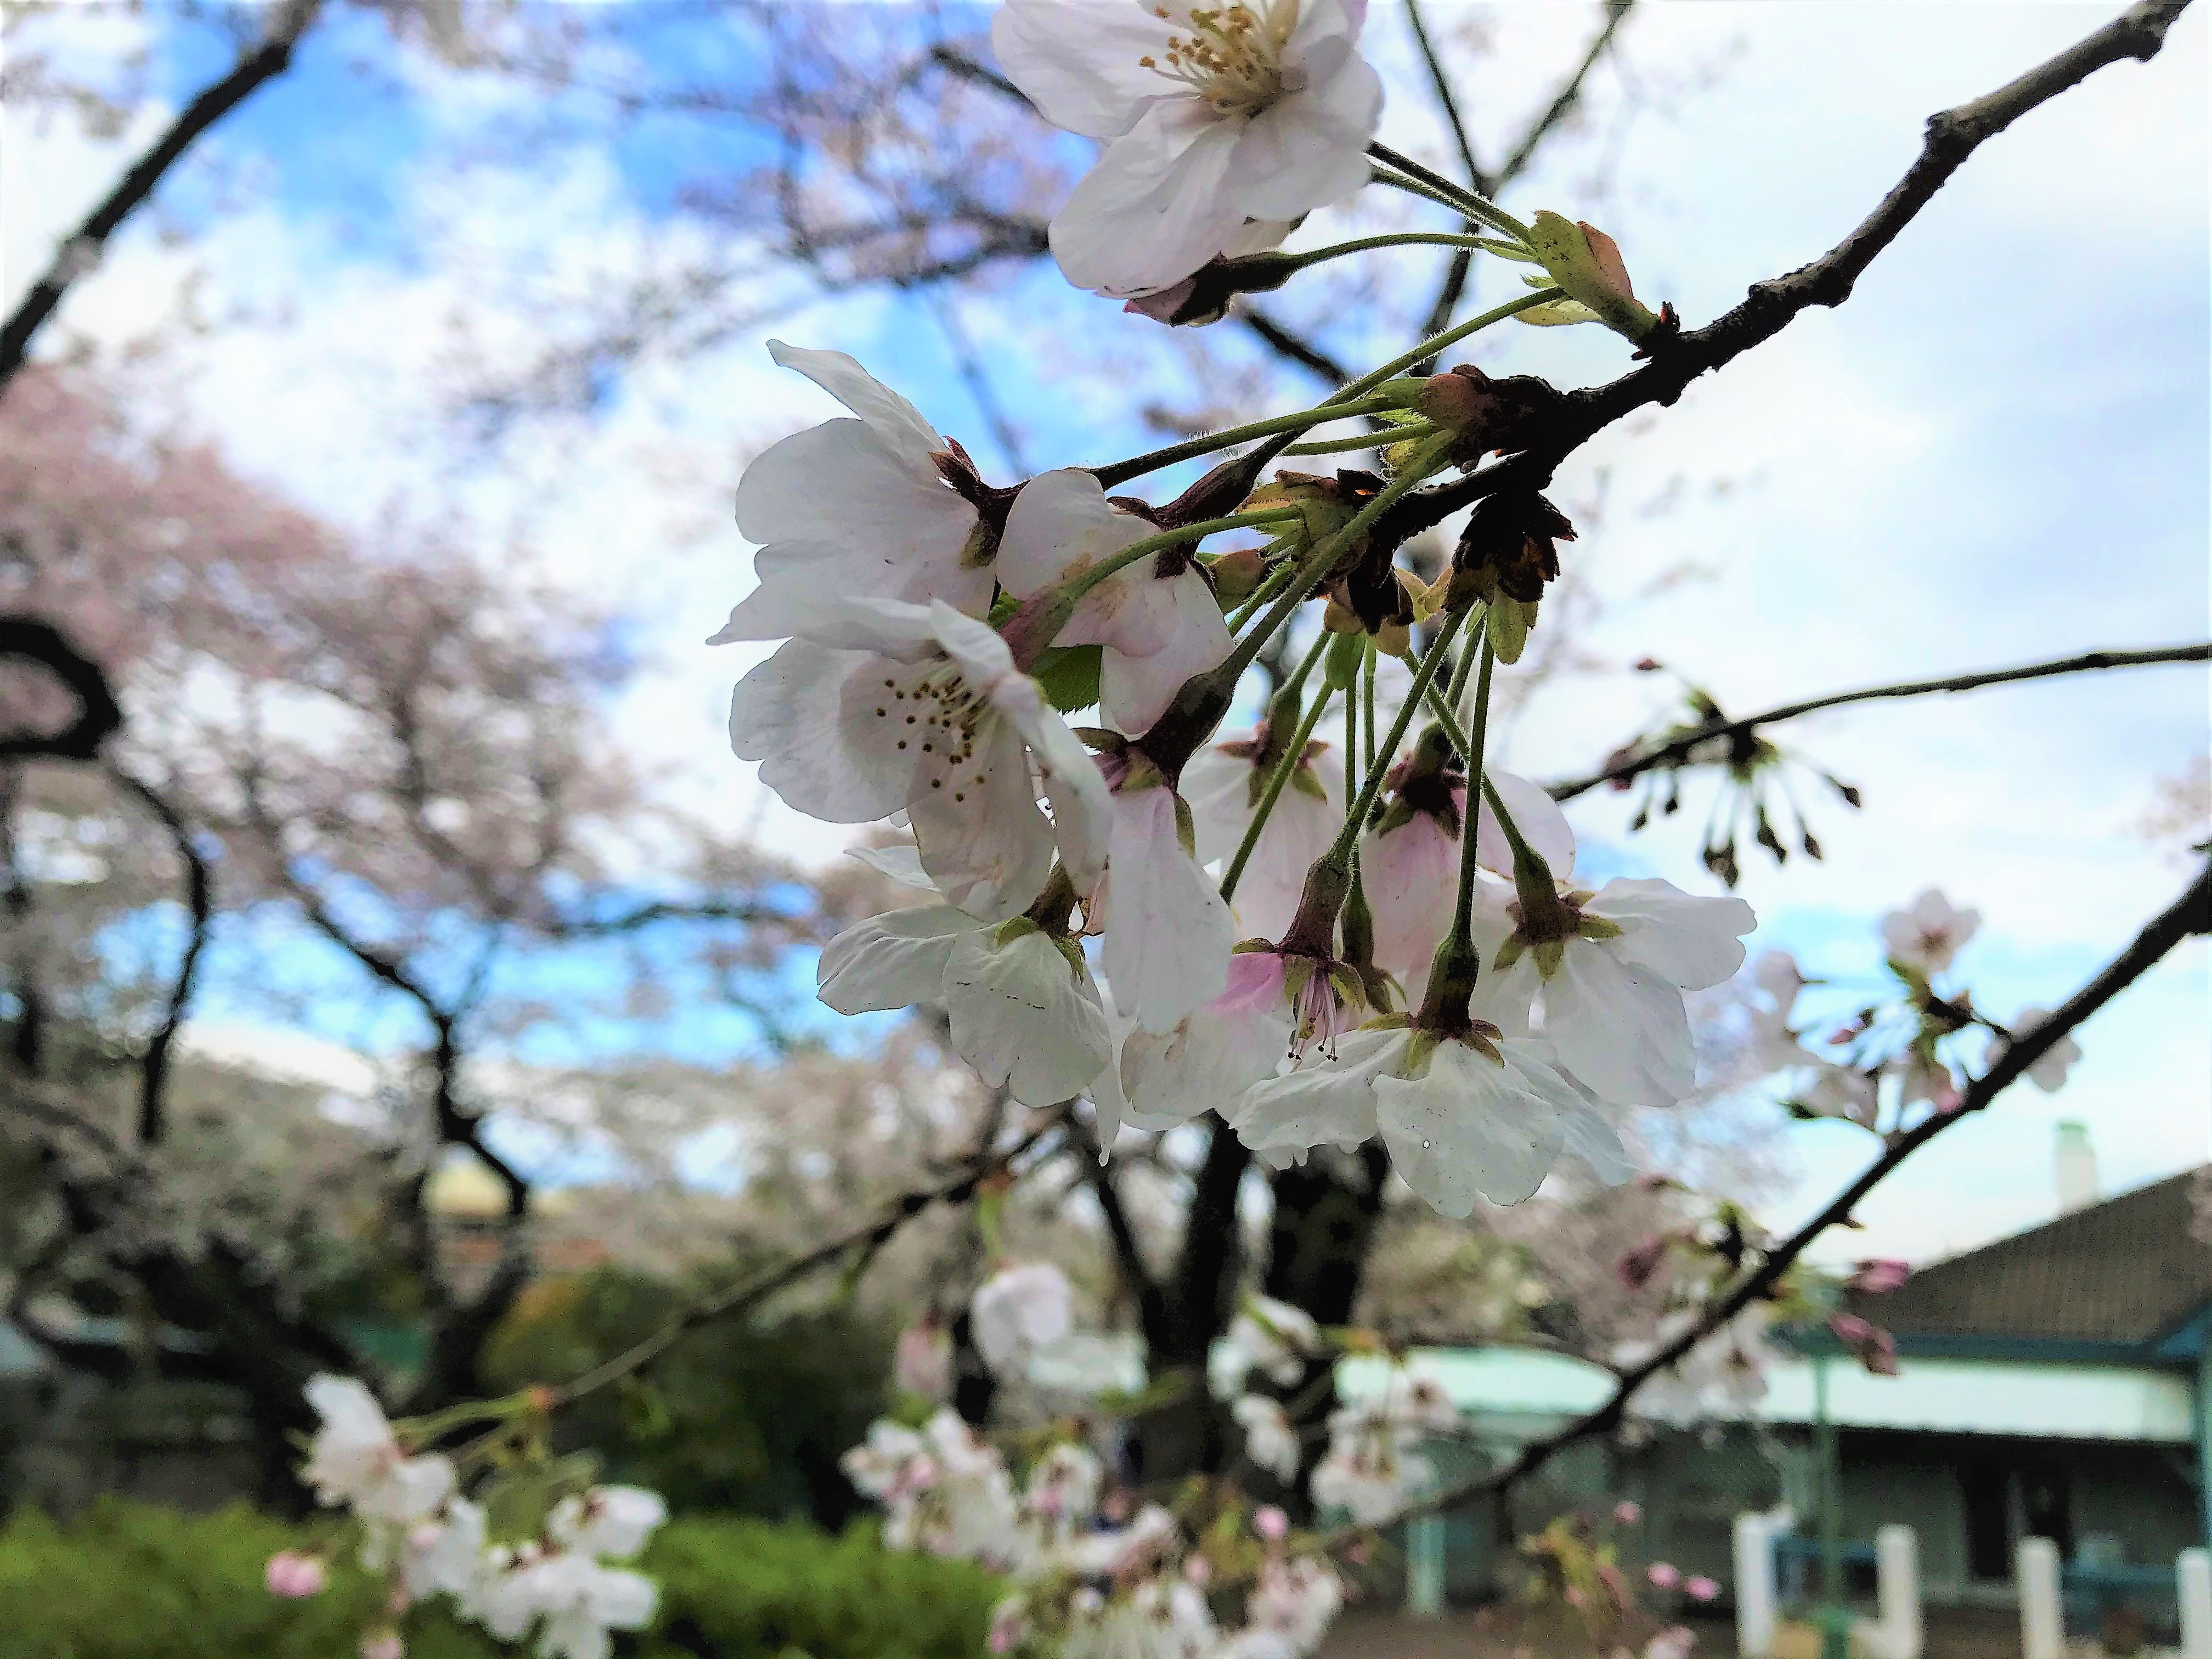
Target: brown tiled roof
[(2126, 1270)]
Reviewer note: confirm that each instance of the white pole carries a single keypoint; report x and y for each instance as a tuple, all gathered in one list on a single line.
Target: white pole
[(1897, 1590), (1754, 1586), (1425, 1567), (2193, 1573), (2042, 1617)]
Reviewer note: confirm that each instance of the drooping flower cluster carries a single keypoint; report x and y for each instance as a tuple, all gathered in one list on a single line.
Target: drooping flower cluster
[(428, 1540), (1267, 921)]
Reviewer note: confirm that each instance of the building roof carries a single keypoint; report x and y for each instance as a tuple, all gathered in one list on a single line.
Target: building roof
[(2123, 1273)]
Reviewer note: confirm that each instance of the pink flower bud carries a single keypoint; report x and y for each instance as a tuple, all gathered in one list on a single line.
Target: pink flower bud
[(1701, 1588), (1879, 1275), (1198, 1571), (1575, 1596), (383, 1644), (1627, 1513), (1271, 1523), (294, 1575), (1663, 1576)]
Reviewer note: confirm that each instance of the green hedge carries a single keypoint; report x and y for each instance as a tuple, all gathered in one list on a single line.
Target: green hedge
[(126, 1581)]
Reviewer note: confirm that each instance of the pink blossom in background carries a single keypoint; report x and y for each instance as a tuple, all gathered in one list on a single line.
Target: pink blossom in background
[(1879, 1275), (1271, 1523), (1701, 1588), (1627, 1512), (1663, 1576), (293, 1575)]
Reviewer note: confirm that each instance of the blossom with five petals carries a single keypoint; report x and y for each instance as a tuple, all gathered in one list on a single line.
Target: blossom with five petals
[(1213, 116)]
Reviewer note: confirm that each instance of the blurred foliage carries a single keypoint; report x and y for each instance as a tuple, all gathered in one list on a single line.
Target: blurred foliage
[(128, 1580), (743, 1416)]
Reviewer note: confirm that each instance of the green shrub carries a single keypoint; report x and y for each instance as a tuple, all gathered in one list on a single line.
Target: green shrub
[(127, 1581)]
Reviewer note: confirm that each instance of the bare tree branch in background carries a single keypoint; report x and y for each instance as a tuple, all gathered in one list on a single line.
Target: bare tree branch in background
[(81, 251)]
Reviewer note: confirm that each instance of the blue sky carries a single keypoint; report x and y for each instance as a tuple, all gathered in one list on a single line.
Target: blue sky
[(1996, 451)]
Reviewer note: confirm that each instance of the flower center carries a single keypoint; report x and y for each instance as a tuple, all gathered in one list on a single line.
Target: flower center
[(939, 718), (1233, 55)]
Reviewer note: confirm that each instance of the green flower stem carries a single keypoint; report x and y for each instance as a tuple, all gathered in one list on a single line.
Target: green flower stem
[(1367, 692), (1387, 751), (1365, 440), (1413, 187), (1280, 777), (1436, 343), (1266, 590), (1470, 746), (1466, 201), (1075, 588), (1316, 563), (1464, 670), (1206, 443), (1410, 238)]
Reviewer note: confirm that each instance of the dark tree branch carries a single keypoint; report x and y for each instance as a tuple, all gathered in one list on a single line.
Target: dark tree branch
[(82, 251), (1285, 343), (1563, 105), (2191, 913), (199, 901), (1953, 136), (1152, 1309), (1447, 101), (98, 717), (1677, 751)]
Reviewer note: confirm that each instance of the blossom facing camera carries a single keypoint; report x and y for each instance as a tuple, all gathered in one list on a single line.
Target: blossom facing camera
[(1019, 1310), (1271, 1523), (294, 1575), (1930, 932), (1701, 1588), (1627, 1513), (1214, 119)]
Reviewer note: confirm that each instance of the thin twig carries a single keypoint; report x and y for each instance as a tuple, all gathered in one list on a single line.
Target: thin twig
[(2191, 913), (1677, 751), (82, 251), (739, 1298), (1953, 136), (1570, 95)]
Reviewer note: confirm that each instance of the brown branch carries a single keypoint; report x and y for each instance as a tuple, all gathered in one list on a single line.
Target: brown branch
[(2191, 913), (1152, 1311), (1677, 751), (1296, 347), (82, 251), (1953, 134), (200, 900), (1440, 83), (739, 1298), (98, 717)]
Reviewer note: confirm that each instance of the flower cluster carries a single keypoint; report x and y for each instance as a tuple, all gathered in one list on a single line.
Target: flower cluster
[(1902, 1054), (426, 1539)]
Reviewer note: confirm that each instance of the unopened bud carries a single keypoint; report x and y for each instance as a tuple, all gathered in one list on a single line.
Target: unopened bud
[(1585, 262), (1237, 576)]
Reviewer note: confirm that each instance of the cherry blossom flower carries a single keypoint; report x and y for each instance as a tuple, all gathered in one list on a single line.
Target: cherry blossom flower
[(444, 1556), (1610, 969), (1297, 1598), (1019, 1310), (581, 1602), (921, 709), (1157, 621), (1020, 1002), (1168, 933), (1062, 1493), (1701, 1588), (1213, 117), (1627, 1512), (606, 1522), (1663, 1574), (1409, 863), (1482, 1115), (1672, 1643), (1157, 1618), (1929, 933), (1271, 1523), (1922, 1076), (1270, 1337), (1212, 1055), (1841, 1092), (294, 1575), (355, 1461), (382, 1643), (1371, 1470), (1269, 1440), (1723, 1375), (1223, 782), (861, 506), (2049, 1072)]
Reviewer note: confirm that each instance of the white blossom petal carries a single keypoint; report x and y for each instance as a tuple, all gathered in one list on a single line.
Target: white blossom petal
[(1024, 1016), (1168, 933), (1691, 942), (1471, 1126), (892, 961)]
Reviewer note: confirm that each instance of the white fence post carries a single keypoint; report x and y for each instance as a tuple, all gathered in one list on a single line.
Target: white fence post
[(2193, 1575), (1425, 1567), (1897, 1590), (2042, 1616), (1754, 1586)]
